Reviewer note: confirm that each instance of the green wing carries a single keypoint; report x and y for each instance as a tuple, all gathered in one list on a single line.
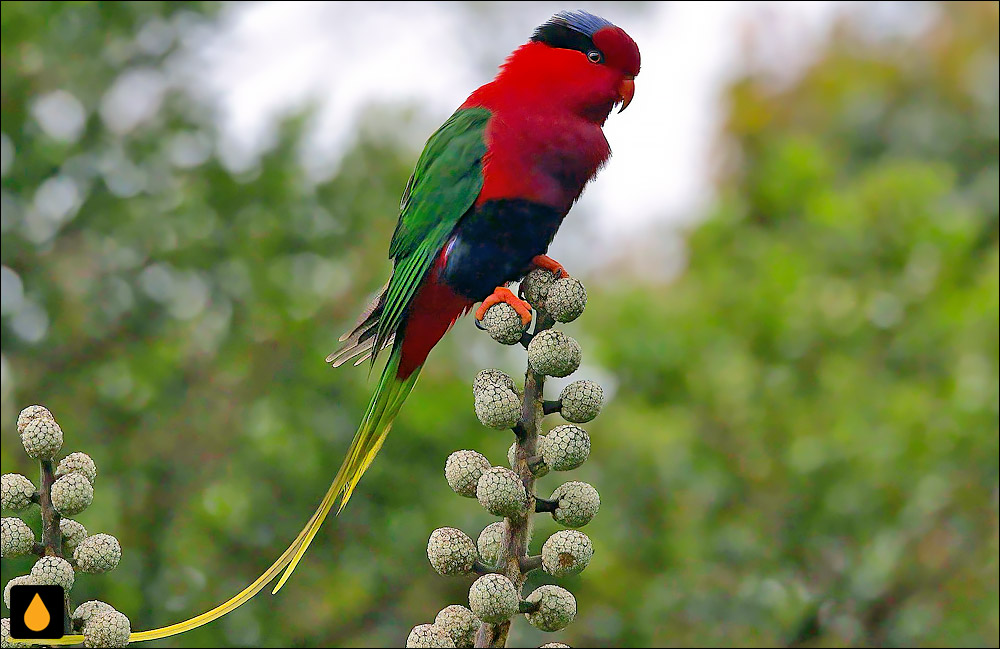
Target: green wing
[(447, 179)]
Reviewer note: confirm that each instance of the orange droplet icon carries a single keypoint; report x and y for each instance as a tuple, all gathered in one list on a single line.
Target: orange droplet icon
[(37, 616)]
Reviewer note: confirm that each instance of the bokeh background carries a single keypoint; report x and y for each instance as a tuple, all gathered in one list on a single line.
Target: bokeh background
[(792, 263)]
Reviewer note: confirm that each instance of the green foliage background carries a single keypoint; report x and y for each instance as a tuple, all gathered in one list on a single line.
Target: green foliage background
[(802, 443)]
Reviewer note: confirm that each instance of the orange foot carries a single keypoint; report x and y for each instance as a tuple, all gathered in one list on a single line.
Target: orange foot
[(503, 294), (548, 263)]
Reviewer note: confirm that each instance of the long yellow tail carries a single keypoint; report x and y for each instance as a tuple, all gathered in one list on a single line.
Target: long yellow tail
[(385, 404)]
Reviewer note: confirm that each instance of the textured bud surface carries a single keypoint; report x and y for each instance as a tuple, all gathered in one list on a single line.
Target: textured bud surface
[(504, 324), (581, 401), (451, 551), (23, 580), (107, 629), (492, 541), (535, 286), (578, 503), (460, 623), (429, 636), (487, 378), (498, 407), (565, 447), (89, 609), (53, 571), (553, 353), (16, 538), (567, 552), (30, 414), (554, 645), (42, 438), (501, 492), (77, 463), (557, 608), (15, 491), (98, 553), (72, 533), (5, 633), (566, 299), (463, 469), (71, 494), (493, 598)]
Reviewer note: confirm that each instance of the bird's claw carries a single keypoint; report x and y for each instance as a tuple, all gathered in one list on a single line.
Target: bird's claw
[(550, 264), (503, 294)]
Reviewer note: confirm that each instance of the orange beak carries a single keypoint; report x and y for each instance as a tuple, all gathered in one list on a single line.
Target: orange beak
[(626, 90)]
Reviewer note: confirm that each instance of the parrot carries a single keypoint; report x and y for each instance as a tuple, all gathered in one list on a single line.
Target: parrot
[(484, 201)]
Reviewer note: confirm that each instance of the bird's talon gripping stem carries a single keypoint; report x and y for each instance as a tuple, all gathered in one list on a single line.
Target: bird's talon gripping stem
[(503, 294), (548, 263)]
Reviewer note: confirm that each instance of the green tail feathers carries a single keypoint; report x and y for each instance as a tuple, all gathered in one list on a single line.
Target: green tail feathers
[(385, 404)]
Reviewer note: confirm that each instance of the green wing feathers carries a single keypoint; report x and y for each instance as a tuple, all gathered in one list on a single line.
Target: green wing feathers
[(445, 184)]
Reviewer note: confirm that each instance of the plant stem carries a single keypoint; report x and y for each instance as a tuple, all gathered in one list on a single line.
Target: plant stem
[(527, 430), (51, 533)]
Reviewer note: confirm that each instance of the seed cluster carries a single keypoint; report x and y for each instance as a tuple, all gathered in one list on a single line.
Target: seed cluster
[(494, 597), (70, 493)]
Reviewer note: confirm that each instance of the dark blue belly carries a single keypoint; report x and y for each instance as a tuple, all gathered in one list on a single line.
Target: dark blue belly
[(494, 244)]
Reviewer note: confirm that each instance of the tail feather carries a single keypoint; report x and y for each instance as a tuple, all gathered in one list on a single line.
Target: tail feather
[(382, 410), (385, 404)]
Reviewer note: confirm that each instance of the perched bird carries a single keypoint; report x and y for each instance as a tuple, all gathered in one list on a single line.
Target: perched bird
[(487, 196)]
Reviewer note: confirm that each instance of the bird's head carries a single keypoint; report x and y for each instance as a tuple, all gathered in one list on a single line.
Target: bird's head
[(581, 60)]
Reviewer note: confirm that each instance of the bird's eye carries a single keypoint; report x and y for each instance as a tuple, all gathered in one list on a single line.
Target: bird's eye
[(595, 56)]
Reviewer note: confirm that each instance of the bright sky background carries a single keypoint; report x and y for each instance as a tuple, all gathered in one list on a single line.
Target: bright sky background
[(270, 58)]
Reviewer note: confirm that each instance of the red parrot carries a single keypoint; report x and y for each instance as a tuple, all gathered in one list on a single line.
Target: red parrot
[(488, 194)]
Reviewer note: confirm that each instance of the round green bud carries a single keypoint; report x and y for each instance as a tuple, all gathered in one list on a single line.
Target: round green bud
[(460, 623), (77, 463), (16, 538), (30, 414), (491, 377), (53, 571), (581, 401), (556, 608), (42, 438), (497, 407), (566, 299), (463, 469), (72, 533), (553, 353), (535, 286), (15, 491), (504, 324), (429, 636), (451, 551), (98, 553), (578, 504), (565, 447), (71, 494), (23, 580), (493, 598), (566, 553), (492, 541), (501, 492), (5, 633), (84, 612), (107, 629)]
